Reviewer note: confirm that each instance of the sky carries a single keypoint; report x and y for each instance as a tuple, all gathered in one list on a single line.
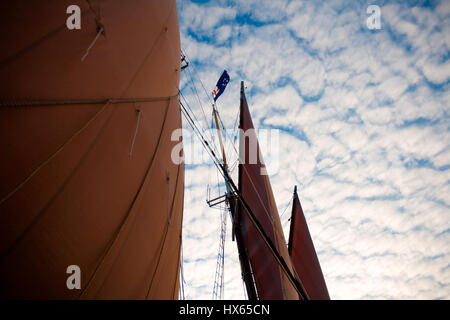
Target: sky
[(362, 118)]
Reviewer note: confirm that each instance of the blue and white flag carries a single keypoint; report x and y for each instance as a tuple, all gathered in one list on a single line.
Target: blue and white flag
[(221, 84)]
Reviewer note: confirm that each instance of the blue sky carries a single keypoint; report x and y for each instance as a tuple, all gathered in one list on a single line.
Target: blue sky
[(364, 131)]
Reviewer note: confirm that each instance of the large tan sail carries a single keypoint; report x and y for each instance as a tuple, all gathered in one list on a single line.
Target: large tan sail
[(86, 176)]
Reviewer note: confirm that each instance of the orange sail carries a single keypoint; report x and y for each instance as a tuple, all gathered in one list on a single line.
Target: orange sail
[(86, 176), (303, 254), (271, 279)]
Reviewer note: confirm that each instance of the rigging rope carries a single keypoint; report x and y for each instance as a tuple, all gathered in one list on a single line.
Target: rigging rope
[(37, 43), (20, 103), (233, 134), (200, 80), (195, 88), (181, 292)]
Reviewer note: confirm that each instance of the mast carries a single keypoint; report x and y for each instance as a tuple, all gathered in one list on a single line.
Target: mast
[(232, 203)]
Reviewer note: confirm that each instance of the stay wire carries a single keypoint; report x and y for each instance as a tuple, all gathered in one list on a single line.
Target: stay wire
[(196, 92), (210, 139)]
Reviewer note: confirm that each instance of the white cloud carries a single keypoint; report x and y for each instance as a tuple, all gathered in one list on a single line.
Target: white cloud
[(365, 135)]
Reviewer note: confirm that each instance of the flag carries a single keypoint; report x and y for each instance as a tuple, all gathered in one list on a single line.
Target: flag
[(221, 84)]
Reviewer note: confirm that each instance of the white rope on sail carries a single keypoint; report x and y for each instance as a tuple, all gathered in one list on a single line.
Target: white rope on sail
[(100, 31)]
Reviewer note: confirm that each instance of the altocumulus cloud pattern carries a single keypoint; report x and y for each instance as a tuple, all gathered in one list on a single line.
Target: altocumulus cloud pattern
[(364, 132)]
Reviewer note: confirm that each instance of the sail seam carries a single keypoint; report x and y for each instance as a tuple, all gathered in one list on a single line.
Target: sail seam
[(18, 103)]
